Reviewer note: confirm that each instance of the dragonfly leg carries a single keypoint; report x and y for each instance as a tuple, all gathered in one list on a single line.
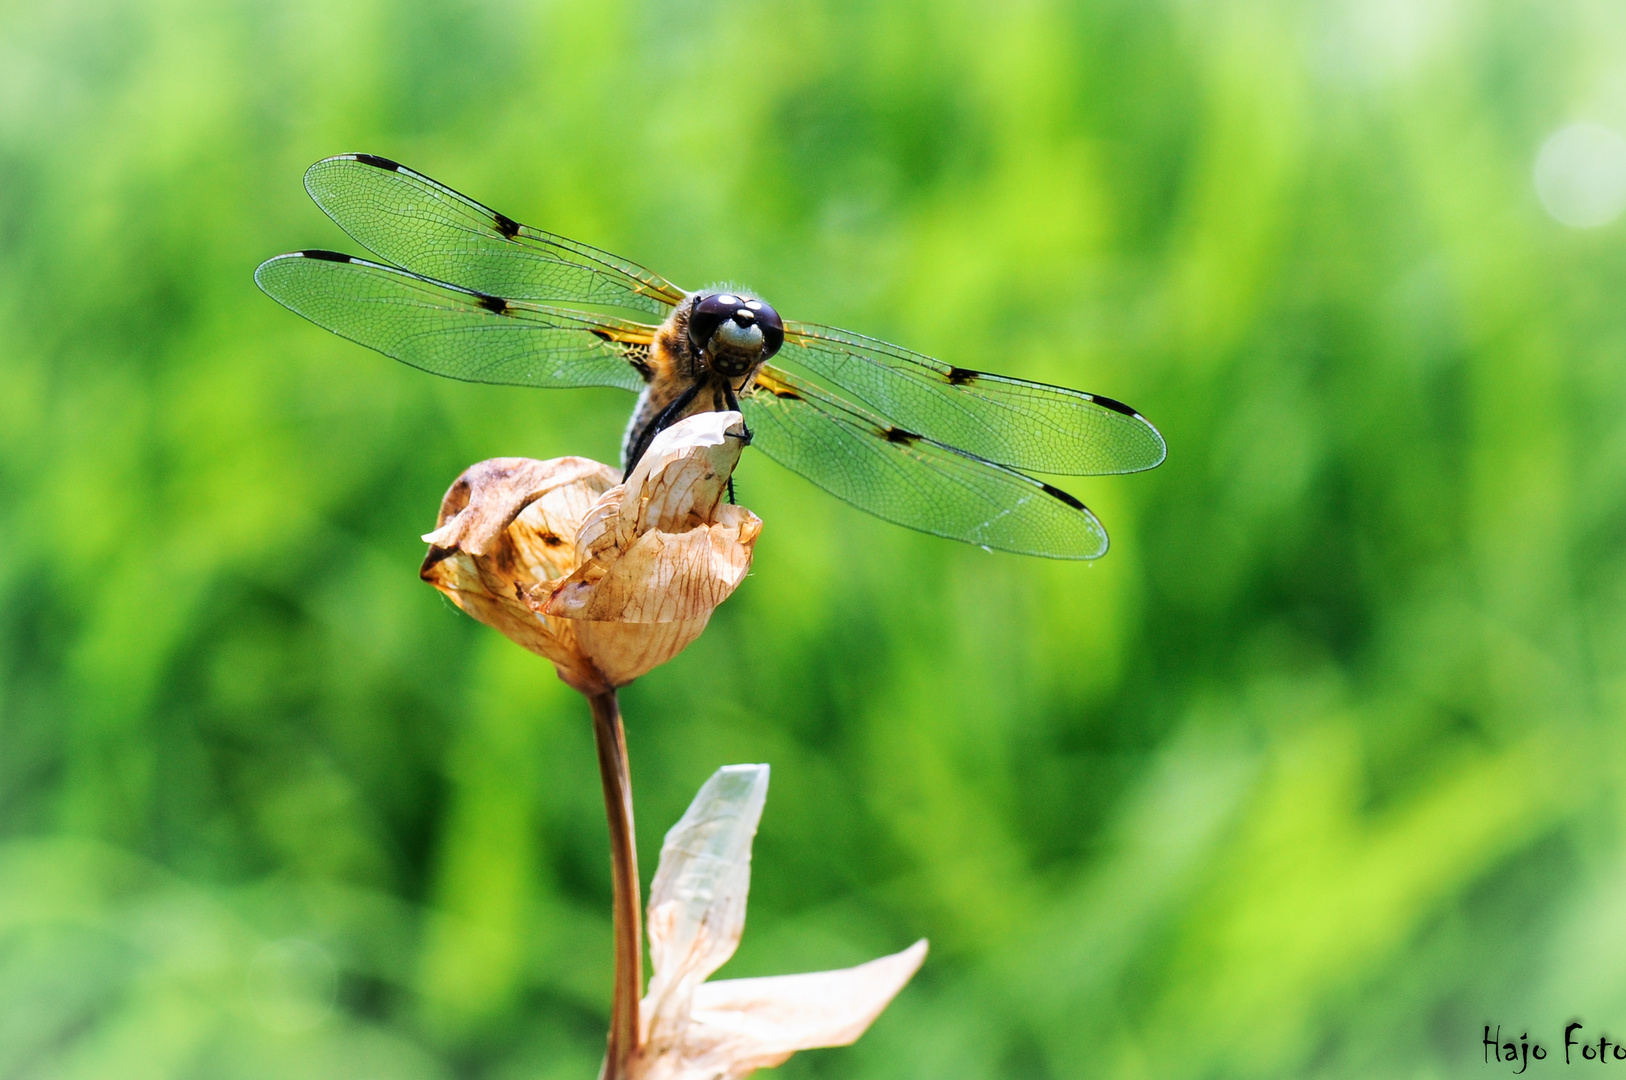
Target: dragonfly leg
[(727, 400), (734, 406)]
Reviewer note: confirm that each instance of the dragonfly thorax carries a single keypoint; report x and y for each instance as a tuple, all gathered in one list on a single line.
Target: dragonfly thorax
[(735, 333)]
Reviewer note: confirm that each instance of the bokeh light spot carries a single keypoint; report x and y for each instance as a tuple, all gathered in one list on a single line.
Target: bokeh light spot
[(1581, 175)]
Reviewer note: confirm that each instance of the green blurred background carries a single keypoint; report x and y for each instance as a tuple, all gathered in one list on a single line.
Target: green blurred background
[(1316, 773)]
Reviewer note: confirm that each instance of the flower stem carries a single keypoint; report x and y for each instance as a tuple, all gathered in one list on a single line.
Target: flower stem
[(629, 959)]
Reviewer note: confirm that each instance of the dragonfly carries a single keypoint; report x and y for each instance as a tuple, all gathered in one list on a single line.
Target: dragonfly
[(461, 290)]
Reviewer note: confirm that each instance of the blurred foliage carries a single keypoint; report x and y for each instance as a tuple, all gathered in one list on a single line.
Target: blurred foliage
[(1316, 773)]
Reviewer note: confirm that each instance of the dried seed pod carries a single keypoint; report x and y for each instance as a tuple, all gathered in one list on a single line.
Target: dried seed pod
[(606, 580)]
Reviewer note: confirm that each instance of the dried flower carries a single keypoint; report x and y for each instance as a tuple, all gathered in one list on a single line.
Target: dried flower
[(607, 580), (695, 1030)]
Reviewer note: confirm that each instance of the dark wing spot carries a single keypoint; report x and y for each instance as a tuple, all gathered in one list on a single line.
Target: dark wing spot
[(379, 162), (634, 353), (959, 376), (505, 225), (638, 357), (1070, 500), (900, 436), (1115, 406), (325, 256), (494, 304), (552, 539)]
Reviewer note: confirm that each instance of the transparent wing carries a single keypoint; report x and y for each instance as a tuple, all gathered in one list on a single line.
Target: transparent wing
[(456, 332), (408, 219), (1025, 425), (905, 478)]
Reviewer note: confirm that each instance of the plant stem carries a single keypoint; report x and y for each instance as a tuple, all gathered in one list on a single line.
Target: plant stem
[(629, 958)]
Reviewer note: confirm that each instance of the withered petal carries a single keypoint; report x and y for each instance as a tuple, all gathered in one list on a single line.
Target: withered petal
[(605, 579), (695, 1030), (486, 499), (662, 576)]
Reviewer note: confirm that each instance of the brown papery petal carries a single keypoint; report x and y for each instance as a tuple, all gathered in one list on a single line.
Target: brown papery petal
[(662, 576), (681, 480), (506, 531), (621, 652), (485, 500), (660, 552)]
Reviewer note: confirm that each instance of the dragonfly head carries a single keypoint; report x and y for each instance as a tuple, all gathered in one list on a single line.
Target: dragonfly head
[(733, 331)]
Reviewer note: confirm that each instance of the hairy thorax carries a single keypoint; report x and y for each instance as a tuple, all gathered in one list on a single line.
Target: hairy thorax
[(674, 368)]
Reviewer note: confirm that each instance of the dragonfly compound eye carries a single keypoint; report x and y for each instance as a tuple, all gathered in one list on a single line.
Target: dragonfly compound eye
[(706, 315), (773, 328)]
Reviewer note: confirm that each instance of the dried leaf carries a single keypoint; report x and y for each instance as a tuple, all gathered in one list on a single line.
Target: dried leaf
[(747, 1024), (697, 900), (694, 1030)]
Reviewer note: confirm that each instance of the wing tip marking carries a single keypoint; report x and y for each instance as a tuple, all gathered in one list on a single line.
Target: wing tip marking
[(1057, 493), (325, 256), (1115, 405), (959, 376), (494, 304), (377, 162)]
